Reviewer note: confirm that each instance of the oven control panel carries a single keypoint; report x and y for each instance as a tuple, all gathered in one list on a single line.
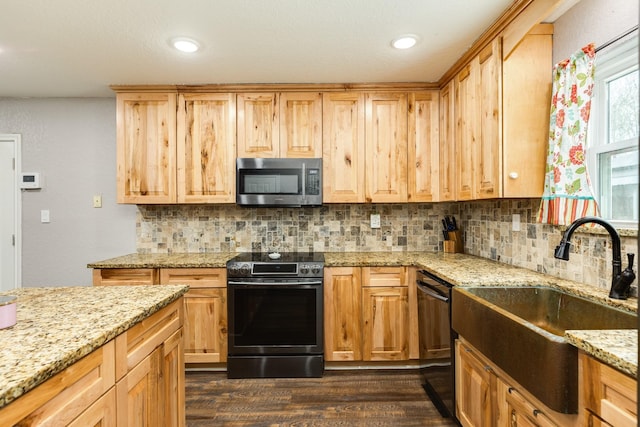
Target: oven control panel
[(247, 269)]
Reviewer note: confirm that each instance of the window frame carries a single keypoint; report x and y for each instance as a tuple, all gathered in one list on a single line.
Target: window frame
[(613, 62)]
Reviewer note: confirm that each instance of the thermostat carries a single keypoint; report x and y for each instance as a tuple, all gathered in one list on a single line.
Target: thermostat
[(30, 181)]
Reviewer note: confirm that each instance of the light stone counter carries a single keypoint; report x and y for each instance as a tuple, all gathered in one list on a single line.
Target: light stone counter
[(56, 327), (458, 269), (618, 348)]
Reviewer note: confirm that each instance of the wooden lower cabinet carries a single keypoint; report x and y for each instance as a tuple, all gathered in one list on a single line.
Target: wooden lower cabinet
[(342, 314), (608, 397), (486, 396), (367, 314), (136, 379), (474, 385), (205, 305), (205, 322)]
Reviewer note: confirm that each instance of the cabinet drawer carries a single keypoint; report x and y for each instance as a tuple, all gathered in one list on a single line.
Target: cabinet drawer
[(66, 395), (124, 276), (140, 340), (195, 277), (384, 276)]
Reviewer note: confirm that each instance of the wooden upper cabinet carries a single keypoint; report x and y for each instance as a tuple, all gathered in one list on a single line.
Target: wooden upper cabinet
[(488, 153), (447, 144), (301, 124), (206, 150), (526, 118), (287, 124), (386, 147), (466, 131), (258, 125), (146, 147), (343, 147), (423, 147)]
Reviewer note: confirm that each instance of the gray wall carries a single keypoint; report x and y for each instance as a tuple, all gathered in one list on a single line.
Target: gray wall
[(596, 21), (71, 142)]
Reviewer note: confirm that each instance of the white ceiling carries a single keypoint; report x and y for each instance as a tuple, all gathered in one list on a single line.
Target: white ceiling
[(77, 48)]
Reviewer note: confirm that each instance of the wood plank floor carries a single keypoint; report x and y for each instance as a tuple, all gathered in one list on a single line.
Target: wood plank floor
[(340, 398)]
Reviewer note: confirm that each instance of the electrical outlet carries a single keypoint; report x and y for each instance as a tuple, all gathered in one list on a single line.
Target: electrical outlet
[(375, 220), (515, 222), (97, 201)]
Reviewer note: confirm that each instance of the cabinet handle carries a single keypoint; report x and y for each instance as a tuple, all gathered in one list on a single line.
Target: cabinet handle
[(513, 175), (510, 389), (536, 412)]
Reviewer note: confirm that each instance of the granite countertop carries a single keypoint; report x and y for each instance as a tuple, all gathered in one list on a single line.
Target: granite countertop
[(56, 327), (458, 269)]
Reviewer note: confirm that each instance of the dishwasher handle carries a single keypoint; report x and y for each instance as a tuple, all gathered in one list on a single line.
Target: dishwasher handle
[(431, 291)]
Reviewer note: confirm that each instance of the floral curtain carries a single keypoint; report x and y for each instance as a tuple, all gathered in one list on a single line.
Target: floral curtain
[(567, 188)]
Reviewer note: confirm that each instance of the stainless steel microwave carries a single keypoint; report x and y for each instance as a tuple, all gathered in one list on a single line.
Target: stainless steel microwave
[(278, 182)]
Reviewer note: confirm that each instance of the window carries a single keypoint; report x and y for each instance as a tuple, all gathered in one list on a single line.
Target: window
[(614, 131)]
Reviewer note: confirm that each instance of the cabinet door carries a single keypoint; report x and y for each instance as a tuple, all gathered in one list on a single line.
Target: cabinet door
[(343, 147), (488, 155), (342, 314), (447, 143), (386, 147), (301, 124), (205, 325), (466, 109), (205, 305), (258, 125), (423, 147), (206, 148), (172, 381), (385, 323), (474, 403), (526, 118), (146, 147), (138, 394)]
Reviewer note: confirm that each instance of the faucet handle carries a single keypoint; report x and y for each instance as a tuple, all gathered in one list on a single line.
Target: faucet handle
[(630, 258)]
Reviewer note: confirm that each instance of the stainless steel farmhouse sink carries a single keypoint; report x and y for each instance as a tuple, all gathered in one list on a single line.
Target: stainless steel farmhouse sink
[(521, 329)]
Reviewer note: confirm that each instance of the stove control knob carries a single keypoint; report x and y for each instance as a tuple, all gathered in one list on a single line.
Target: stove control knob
[(304, 269), (315, 269), (245, 270)]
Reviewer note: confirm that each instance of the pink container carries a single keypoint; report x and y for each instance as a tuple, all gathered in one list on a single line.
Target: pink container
[(7, 311)]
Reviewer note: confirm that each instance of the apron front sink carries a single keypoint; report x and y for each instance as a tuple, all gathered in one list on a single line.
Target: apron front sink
[(521, 329)]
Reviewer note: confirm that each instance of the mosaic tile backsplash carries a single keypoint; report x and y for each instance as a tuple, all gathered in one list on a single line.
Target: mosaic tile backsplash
[(486, 226)]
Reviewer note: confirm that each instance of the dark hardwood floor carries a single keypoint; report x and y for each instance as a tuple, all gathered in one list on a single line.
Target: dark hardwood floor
[(340, 398)]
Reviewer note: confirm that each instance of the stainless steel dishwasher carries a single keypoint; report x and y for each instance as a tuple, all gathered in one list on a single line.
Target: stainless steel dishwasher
[(436, 341)]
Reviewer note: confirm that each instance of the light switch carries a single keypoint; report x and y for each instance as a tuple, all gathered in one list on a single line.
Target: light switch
[(97, 201), (375, 220), (44, 216)]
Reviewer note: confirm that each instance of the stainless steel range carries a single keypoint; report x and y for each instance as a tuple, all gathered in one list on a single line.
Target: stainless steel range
[(275, 315)]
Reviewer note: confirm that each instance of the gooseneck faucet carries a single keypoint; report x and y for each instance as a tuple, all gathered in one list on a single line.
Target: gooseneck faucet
[(620, 280)]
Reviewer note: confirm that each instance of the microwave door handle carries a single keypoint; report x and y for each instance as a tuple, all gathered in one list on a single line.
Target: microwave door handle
[(432, 292), (304, 179)]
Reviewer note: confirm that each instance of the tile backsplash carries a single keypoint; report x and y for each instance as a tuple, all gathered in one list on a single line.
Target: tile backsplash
[(330, 228), (486, 226)]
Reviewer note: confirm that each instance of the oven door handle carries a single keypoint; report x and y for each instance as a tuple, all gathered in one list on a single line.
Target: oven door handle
[(427, 289), (279, 284)]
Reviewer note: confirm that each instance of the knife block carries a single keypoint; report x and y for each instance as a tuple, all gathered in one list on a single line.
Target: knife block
[(455, 243)]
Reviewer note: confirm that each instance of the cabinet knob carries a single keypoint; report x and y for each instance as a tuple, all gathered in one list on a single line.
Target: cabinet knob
[(513, 175)]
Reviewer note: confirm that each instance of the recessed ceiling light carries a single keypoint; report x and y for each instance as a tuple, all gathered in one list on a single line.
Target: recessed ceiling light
[(184, 44), (405, 42)]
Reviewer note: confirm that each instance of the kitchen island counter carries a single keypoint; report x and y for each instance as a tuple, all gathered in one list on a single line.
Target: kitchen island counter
[(57, 326)]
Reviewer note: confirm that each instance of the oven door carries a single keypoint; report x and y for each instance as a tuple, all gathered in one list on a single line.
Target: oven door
[(275, 316)]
